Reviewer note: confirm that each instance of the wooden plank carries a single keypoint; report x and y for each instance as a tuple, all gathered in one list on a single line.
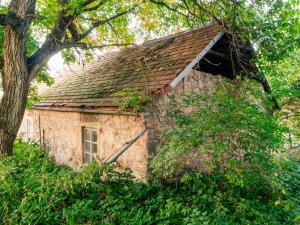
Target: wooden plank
[(127, 145), (81, 110)]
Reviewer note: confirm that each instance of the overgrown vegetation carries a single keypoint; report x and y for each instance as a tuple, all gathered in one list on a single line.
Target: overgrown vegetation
[(228, 130), (224, 163), (132, 99), (35, 191), (272, 27)]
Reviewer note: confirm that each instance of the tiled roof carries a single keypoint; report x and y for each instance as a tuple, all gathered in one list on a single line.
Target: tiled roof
[(150, 66)]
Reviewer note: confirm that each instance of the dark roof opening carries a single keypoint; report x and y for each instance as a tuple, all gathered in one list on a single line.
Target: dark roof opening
[(222, 59)]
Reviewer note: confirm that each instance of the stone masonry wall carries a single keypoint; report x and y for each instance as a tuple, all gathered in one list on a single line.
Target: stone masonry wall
[(196, 81), (61, 133)]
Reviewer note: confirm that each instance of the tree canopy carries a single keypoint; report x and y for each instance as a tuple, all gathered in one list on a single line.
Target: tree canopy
[(272, 26)]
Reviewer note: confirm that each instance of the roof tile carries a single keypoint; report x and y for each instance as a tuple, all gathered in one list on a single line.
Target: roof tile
[(149, 66)]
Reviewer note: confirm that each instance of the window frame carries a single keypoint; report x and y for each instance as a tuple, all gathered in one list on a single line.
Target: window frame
[(88, 140)]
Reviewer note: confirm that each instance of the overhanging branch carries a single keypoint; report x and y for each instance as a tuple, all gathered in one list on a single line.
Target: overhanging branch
[(87, 47), (73, 30), (6, 19), (161, 3), (54, 40), (101, 22), (88, 9), (268, 90)]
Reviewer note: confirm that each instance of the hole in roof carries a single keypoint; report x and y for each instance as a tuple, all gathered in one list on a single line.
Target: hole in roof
[(221, 60)]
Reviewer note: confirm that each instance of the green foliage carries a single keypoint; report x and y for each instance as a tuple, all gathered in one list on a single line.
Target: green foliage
[(115, 32), (230, 142), (132, 99), (68, 56), (272, 27), (226, 131), (245, 178), (33, 190), (43, 78), (117, 26)]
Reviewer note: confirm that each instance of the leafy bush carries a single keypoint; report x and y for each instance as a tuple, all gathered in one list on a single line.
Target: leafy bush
[(226, 131), (132, 99), (33, 190)]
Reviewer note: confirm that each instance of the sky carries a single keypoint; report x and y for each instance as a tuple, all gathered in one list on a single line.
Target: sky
[(56, 63)]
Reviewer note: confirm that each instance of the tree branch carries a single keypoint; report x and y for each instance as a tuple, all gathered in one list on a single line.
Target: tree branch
[(267, 89), (6, 19), (210, 13), (87, 47), (87, 2), (73, 30), (126, 146), (53, 43), (94, 7), (23, 11), (169, 7), (101, 22)]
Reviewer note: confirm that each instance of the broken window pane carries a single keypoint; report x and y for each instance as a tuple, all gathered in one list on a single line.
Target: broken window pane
[(86, 158), (87, 146), (94, 148), (94, 136)]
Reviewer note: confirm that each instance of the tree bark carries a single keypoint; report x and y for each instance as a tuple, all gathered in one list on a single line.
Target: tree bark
[(15, 74), (15, 87), (12, 107)]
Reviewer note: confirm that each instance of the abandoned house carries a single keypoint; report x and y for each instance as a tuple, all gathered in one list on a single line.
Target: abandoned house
[(79, 118)]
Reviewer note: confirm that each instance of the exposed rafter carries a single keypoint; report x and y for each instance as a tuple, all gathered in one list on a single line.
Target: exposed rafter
[(187, 70)]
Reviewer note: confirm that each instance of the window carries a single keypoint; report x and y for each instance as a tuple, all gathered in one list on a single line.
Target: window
[(89, 144)]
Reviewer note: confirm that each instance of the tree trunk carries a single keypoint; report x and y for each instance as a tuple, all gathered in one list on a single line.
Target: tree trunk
[(15, 75), (15, 87), (12, 110)]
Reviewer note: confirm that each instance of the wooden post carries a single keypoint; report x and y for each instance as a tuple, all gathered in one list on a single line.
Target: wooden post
[(40, 132), (121, 150)]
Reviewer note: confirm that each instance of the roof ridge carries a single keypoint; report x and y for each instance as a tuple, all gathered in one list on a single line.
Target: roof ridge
[(198, 27)]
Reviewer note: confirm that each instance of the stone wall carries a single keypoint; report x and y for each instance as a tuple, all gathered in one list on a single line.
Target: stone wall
[(61, 133), (199, 82)]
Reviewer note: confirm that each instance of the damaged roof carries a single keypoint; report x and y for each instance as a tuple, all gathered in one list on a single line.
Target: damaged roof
[(149, 67)]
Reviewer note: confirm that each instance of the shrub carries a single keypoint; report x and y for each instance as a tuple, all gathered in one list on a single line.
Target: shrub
[(226, 132), (33, 190), (133, 99)]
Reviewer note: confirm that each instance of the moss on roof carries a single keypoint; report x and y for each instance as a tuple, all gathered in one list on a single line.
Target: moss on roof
[(150, 66)]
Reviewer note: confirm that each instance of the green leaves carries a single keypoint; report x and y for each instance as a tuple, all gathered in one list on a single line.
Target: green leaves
[(33, 190), (226, 131), (272, 27), (132, 99)]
